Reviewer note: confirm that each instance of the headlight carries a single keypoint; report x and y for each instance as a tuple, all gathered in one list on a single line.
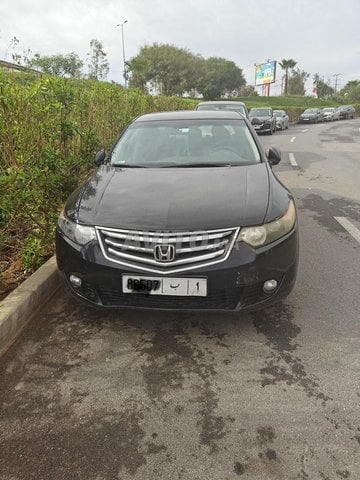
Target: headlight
[(80, 234), (269, 232)]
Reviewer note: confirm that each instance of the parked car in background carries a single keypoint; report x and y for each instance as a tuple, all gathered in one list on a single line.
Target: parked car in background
[(282, 119), (263, 120), (346, 112), (184, 212), (331, 114), (227, 105), (311, 115)]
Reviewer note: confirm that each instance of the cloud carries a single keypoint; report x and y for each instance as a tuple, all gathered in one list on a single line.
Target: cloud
[(322, 36)]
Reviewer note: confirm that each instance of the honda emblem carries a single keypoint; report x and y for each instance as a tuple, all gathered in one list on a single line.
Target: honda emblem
[(164, 253)]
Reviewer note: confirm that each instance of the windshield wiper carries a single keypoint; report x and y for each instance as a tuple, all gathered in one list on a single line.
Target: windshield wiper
[(129, 166), (191, 165)]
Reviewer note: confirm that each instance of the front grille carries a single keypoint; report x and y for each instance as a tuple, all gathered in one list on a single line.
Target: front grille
[(166, 252)]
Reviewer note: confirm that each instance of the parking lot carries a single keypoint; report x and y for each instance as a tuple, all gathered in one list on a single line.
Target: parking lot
[(272, 395)]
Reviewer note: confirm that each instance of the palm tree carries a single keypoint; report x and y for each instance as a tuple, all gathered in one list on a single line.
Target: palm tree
[(286, 65)]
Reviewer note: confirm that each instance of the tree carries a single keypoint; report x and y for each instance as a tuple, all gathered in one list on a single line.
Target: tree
[(98, 63), (323, 89), (296, 82), (169, 69), (287, 65), (248, 91), (139, 69), (13, 44), (220, 77), (68, 65), (17, 58), (352, 91)]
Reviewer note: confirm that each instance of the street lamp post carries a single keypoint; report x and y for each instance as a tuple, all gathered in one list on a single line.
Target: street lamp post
[(123, 49), (336, 75)]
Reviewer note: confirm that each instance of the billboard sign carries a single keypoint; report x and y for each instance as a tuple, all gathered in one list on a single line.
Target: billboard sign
[(265, 73)]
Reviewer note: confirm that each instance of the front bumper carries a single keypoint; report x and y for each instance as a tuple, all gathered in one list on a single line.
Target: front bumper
[(264, 127), (307, 120), (235, 284)]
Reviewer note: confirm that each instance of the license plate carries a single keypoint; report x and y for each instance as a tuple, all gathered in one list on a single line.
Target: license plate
[(186, 287)]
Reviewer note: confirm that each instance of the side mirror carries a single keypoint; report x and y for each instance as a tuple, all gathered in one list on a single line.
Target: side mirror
[(274, 155), (100, 157)]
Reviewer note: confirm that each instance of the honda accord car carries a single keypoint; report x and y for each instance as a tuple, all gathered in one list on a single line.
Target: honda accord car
[(183, 212)]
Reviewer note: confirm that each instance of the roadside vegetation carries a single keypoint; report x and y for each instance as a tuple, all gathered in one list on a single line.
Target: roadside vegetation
[(50, 130)]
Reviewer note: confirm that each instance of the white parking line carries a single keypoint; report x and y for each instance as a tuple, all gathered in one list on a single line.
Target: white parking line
[(292, 160), (292, 139), (344, 222), (306, 130)]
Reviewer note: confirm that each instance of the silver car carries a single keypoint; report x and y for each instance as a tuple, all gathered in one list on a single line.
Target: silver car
[(282, 119), (331, 114), (227, 105)]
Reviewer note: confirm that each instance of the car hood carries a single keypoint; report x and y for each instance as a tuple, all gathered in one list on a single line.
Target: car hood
[(260, 119), (174, 198)]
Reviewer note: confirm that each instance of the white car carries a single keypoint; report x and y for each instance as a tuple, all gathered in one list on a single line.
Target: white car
[(282, 119), (331, 114)]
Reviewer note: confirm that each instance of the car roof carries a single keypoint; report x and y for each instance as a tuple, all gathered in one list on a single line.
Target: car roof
[(222, 102), (189, 115)]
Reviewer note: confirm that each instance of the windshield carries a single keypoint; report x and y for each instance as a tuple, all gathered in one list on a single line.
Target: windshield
[(328, 109), (222, 106), (260, 112), (186, 143), (279, 113), (311, 110)]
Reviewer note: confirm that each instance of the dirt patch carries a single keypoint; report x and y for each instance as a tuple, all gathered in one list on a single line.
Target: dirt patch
[(12, 274)]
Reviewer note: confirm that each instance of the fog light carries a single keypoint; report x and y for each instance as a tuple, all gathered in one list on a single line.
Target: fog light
[(76, 281), (269, 286)]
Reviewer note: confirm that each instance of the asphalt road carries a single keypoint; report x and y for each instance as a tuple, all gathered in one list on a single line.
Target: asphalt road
[(270, 395)]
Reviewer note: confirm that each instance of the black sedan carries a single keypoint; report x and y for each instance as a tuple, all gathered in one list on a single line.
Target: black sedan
[(184, 212), (263, 120)]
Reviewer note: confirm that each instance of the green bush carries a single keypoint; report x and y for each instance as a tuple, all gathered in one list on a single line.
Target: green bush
[(50, 130)]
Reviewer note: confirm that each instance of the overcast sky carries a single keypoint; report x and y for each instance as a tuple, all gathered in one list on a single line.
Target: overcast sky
[(323, 36)]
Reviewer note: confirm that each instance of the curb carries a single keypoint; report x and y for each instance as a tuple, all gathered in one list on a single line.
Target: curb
[(20, 306)]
